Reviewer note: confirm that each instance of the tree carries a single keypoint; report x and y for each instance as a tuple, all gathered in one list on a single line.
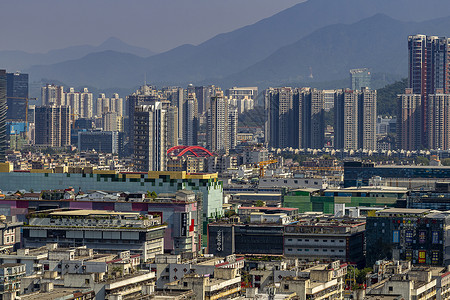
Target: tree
[(152, 195), (420, 160), (259, 203), (357, 277), (387, 97)]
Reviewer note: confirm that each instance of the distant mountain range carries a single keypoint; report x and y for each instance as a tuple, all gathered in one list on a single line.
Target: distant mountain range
[(313, 42), (20, 60)]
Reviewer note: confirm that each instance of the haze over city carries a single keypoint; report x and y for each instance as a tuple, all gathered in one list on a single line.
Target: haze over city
[(225, 150), (40, 26)]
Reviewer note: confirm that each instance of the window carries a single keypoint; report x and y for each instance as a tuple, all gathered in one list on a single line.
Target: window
[(341, 250), (290, 240), (86, 281), (409, 254), (185, 284), (396, 236), (435, 237), (422, 237), (391, 288), (341, 241), (290, 249), (422, 256), (316, 250), (435, 257), (316, 241), (325, 241), (299, 240), (332, 241), (408, 236), (286, 286)]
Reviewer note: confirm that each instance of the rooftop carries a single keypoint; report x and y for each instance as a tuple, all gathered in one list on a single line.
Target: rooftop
[(268, 208), (384, 189), (406, 211), (56, 293), (10, 265), (88, 212)]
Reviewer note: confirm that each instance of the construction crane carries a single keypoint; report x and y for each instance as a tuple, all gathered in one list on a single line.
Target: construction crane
[(262, 164), (26, 105), (72, 119)]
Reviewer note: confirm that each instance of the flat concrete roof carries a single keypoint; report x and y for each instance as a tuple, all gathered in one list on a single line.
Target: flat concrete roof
[(258, 194), (412, 167), (87, 212), (56, 293), (370, 189), (404, 211), (268, 208)]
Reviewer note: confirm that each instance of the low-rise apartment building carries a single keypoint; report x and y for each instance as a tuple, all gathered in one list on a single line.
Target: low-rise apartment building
[(416, 235), (325, 240), (102, 231), (226, 284), (10, 276)]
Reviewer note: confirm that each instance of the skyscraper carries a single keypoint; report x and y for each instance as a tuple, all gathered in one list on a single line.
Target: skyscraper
[(172, 126), (312, 110), (409, 120), (295, 118), (281, 121), (367, 119), (17, 94), (86, 104), (439, 120), (3, 142), (190, 119), (429, 70), (232, 126), (105, 105), (150, 137), (360, 78), (146, 95), (112, 121), (53, 95), (346, 120), (116, 104), (204, 94), (73, 101), (102, 105), (176, 97), (355, 119), (245, 96), (217, 135), (52, 125)]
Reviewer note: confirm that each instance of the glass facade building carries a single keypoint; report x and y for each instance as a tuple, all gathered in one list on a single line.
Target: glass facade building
[(17, 87), (360, 78), (359, 174)]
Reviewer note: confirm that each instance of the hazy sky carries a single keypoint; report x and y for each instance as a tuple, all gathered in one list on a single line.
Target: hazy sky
[(42, 25)]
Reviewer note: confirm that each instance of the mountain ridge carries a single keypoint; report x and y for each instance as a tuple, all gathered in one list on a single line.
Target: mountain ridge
[(19, 60), (229, 55)]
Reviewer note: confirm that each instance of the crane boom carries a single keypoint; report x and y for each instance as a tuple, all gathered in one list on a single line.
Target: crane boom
[(264, 163)]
